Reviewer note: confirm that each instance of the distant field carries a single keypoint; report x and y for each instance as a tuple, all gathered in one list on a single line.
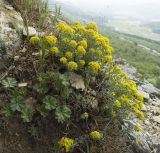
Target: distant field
[(133, 28), (125, 47)]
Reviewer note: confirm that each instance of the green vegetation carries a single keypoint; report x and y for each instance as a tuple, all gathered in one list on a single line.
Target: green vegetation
[(72, 66), (125, 47)]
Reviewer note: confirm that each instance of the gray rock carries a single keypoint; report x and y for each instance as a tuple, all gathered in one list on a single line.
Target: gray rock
[(156, 119), (11, 25), (143, 93), (149, 88), (31, 31)]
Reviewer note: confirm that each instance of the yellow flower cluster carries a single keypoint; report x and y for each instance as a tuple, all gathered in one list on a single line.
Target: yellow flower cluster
[(54, 50), (66, 144), (51, 40), (34, 39), (94, 67), (117, 104), (63, 60), (137, 128), (72, 66), (107, 59), (85, 115), (81, 63), (126, 98), (78, 47), (92, 26), (95, 135), (69, 54), (62, 27), (83, 43), (80, 50), (73, 43)]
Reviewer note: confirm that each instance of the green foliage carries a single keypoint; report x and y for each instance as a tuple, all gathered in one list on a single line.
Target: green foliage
[(147, 64), (17, 104), (27, 114), (50, 103), (62, 113), (9, 82), (6, 111)]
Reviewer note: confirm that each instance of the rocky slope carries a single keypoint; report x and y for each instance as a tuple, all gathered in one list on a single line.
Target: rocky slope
[(11, 33), (150, 134)]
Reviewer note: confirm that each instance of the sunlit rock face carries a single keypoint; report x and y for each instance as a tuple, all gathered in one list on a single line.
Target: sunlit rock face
[(11, 25)]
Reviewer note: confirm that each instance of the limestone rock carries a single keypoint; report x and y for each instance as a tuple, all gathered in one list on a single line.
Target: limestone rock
[(143, 93), (32, 31), (156, 119), (150, 89), (76, 81), (11, 25)]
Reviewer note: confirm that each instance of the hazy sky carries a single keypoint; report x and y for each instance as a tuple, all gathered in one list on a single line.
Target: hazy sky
[(140, 8)]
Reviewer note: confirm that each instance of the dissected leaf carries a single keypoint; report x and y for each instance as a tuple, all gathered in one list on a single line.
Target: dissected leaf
[(50, 102), (26, 114), (17, 104), (9, 82), (6, 111), (62, 114)]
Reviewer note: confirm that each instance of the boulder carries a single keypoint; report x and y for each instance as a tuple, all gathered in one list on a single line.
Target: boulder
[(149, 88), (31, 31), (143, 93), (156, 119), (11, 25)]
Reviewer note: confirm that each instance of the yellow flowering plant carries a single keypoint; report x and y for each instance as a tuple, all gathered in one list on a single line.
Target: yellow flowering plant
[(81, 44), (65, 144)]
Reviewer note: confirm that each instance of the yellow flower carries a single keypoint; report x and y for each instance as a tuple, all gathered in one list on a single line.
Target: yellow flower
[(80, 50), (63, 60), (65, 40), (68, 54), (92, 26), (92, 50), (140, 115), (81, 62), (113, 93), (117, 104), (50, 39), (73, 43), (109, 49), (72, 65), (95, 135), (34, 39), (139, 97), (54, 50), (84, 115), (135, 109), (99, 52), (107, 59), (94, 67), (137, 128), (66, 144), (83, 43), (113, 114)]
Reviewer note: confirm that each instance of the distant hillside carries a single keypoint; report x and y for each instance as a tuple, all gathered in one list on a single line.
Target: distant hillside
[(73, 13)]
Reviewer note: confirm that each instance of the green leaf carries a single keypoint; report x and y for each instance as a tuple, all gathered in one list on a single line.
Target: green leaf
[(41, 109), (41, 77), (17, 103), (9, 82), (18, 92), (50, 102), (6, 111), (40, 89), (27, 114), (62, 114)]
